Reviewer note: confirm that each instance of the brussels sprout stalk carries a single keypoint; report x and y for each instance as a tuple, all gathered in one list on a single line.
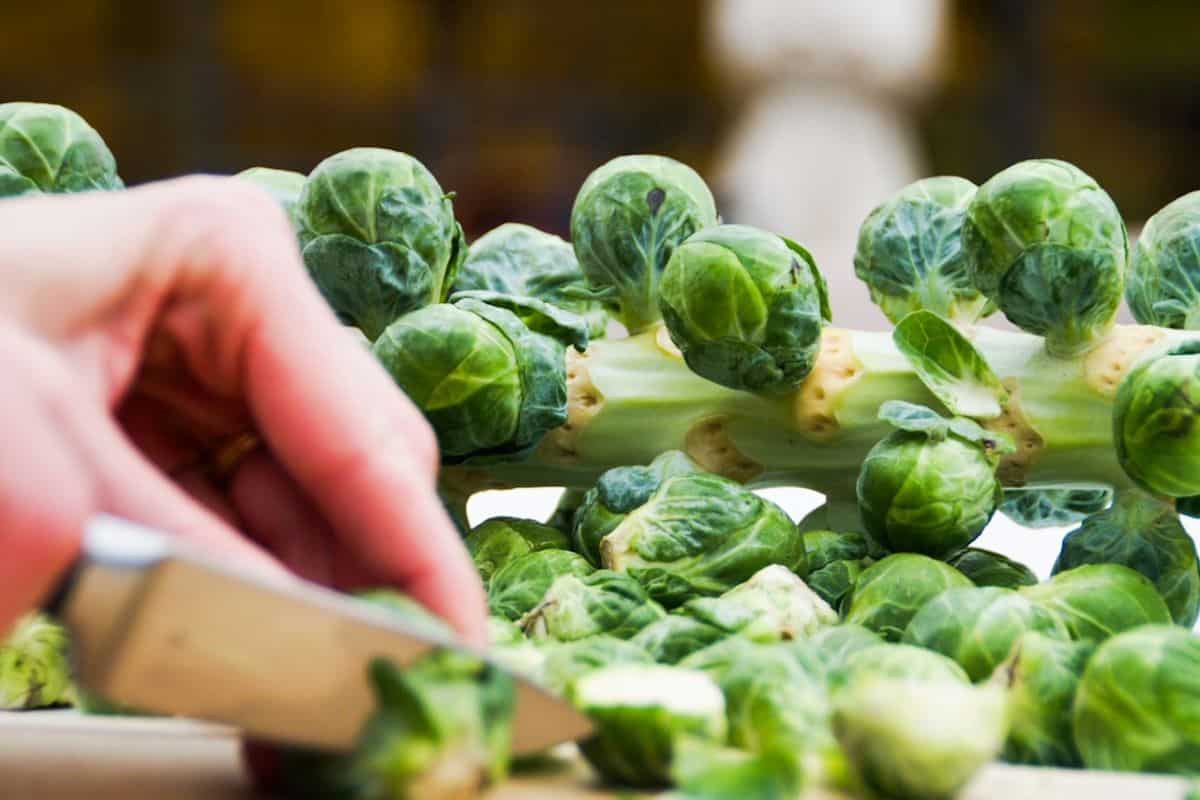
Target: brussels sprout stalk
[(631, 399)]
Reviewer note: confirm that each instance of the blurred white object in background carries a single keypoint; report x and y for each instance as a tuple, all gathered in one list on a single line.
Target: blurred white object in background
[(826, 132)]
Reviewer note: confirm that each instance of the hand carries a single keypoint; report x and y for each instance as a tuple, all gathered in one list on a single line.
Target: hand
[(142, 330)]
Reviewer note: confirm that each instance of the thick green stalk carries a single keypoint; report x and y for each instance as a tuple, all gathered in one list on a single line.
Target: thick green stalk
[(633, 398)]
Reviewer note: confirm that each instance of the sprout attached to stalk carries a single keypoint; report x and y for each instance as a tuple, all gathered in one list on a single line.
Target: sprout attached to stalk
[(910, 253), (522, 261), (745, 307), (487, 370), (51, 149), (1163, 286), (930, 487), (628, 218), (1049, 247), (1156, 422), (378, 235)]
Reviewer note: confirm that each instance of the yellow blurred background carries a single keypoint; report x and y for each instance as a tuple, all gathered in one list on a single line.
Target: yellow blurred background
[(512, 102)]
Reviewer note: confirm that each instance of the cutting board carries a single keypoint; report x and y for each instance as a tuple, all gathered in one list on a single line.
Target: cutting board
[(62, 755)]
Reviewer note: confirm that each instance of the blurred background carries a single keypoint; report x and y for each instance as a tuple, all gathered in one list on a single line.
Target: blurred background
[(802, 114)]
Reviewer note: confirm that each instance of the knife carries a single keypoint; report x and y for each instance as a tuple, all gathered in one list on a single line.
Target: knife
[(159, 626)]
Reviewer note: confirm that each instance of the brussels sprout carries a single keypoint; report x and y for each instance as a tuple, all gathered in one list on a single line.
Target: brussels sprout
[(834, 646), (1144, 534), (1051, 508), (775, 700), (619, 491), (517, 587), (1042, 677), (775, 604), (835, 582), (899, 662), (1154, 430), (718, 658), (1049, 247), (628, 218), (891, 591), (34, 668), (985, 568), (929, 487), (682, 532), (1163, 286), (1097, 601), (441, 730), (489, 384), (910, 252), (823, 548), (641, 713), (284, 185), (497, 541), (706, 772), (578, 606), (48, 148), (378, 236), (520, 260), (744, 307), (701, 535), (918, 739), (1135, 708), (979, 626), (567, 662), (675, 636)]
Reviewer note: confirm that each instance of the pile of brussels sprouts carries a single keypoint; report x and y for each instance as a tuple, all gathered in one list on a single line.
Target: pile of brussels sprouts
[(661, 367)]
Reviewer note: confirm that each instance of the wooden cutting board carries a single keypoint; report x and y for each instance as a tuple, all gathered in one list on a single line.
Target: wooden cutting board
[(62, 755)]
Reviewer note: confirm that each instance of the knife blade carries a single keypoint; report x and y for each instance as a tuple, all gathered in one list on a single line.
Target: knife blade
[(161, 627)]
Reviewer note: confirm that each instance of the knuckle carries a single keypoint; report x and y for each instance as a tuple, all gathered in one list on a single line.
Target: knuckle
[(227, 216)]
